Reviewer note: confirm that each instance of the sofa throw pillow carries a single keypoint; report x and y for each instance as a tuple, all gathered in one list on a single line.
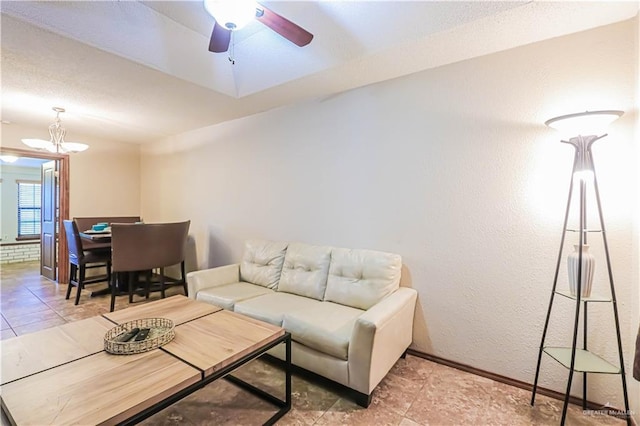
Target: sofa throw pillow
[(361, 278), (305, 270), (262, 262)]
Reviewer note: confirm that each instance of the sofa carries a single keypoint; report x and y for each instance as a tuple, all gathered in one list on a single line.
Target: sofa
[(349, 319)]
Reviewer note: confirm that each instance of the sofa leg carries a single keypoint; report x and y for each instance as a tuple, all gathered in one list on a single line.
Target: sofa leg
[(362, 399)]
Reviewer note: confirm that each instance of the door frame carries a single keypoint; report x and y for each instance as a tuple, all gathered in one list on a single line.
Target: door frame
[(63, 189)]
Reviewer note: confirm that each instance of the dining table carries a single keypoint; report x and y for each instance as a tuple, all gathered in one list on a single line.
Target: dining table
[(99, 239), (95, 240)]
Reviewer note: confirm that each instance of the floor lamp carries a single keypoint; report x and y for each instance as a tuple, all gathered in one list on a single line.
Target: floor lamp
[(574, 358)]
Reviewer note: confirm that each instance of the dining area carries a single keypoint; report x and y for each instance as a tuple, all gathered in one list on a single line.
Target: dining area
[(130, 257)]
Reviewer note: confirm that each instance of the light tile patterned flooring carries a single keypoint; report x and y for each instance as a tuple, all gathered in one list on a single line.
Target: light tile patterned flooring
[(415, 392)]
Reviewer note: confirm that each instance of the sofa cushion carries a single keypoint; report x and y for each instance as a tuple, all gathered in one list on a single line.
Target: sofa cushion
[(227, 295), (325, 327), (271, 307), (262, 262), (305, 270), (361, 278)]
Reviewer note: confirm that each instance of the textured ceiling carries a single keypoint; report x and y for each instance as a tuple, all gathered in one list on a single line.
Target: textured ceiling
[(140, 71)]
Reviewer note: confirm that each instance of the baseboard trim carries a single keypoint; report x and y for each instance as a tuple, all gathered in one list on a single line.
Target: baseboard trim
[(512, 382)]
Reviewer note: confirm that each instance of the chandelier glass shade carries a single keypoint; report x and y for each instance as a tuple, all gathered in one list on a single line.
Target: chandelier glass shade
[(56, 144)]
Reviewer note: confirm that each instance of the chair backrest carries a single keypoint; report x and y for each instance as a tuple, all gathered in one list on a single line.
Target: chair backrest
[(73, 242), (137, 247), (85, 223)]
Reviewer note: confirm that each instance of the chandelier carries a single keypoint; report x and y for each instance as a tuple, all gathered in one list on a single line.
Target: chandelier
[(57, 143)]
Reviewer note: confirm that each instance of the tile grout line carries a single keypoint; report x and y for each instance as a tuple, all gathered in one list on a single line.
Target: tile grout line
[(9, 324), (49, 308), (47, 305)]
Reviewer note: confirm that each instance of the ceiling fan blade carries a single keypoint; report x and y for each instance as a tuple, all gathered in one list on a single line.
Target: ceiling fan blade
[(220, 38), (283, 26)]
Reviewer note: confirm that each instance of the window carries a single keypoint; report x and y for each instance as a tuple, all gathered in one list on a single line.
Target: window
[(28, 209)]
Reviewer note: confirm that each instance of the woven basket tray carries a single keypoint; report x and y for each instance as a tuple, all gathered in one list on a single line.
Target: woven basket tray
[(161, 332)]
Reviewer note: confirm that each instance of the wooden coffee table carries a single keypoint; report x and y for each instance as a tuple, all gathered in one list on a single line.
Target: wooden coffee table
[(74, 381)]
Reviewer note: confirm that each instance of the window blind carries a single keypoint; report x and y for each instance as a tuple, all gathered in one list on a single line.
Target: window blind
[(29, 209)]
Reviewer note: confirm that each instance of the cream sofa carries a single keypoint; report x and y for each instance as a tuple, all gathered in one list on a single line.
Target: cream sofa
[(349, 319)]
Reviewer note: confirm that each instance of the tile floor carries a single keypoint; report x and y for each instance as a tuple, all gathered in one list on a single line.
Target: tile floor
[(415, 392)]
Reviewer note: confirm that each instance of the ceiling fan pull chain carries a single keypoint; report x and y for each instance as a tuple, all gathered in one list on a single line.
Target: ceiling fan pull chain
[(232, 49)]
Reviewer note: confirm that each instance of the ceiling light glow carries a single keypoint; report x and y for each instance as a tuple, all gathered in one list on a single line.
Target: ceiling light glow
[(8, 158), (231, 14)]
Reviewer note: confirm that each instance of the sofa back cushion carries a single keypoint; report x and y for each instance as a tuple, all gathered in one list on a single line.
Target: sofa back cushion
[(361, 278), (262, 262), (305, 270)]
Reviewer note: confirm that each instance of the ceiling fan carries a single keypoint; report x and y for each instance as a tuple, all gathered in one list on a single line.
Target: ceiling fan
[(231, 15)]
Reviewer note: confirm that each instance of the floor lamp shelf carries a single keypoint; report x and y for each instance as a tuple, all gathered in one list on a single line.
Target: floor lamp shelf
[(591, 298), (585, 361)]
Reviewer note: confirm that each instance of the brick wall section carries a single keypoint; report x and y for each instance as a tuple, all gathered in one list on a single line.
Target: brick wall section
[(14, 253)]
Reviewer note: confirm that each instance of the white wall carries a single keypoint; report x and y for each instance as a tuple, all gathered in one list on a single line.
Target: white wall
[(9, 196), (453, 169), (104, 180)]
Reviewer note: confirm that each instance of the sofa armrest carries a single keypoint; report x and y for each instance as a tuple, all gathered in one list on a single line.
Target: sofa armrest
[(214, 277), (380, 336)]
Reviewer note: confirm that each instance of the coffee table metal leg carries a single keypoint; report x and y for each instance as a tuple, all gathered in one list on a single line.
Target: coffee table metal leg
[(287, 370), (287, 397), (284, 405)]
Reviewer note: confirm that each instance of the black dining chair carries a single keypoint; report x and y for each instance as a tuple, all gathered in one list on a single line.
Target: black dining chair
[(81, 260), (138, 249)]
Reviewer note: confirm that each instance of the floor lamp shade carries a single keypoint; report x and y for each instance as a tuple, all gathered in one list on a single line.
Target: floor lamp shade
[(584, 123)]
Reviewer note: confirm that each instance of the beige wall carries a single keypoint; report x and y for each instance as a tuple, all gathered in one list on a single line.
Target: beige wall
[(104, 180), (453, 169)]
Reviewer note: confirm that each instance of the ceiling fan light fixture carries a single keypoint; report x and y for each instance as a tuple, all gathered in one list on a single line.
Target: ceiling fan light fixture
[(8, 158), (231, 14)]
